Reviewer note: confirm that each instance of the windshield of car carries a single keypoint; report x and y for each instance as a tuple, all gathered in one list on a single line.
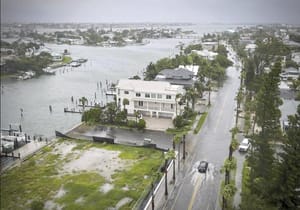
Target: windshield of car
[(244, 144), (202, 164)]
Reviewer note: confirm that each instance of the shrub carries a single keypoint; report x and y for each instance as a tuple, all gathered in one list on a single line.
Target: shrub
[(179, 122), (37, 205), (131, 123), (141, 124)]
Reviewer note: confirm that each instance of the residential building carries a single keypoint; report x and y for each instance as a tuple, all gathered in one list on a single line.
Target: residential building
[(193, 68), (296, 57), (209, 55), (250, 48), (150, 98), (178, 76), (290, 73), (210, 45)]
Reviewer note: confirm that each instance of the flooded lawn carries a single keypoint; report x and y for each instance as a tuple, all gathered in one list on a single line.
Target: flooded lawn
[(74, 174)]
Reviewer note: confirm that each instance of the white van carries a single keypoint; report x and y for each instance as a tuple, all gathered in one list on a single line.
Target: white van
[(245, 145)]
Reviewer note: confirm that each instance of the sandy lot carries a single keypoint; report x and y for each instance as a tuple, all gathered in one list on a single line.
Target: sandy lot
[(105, 162)]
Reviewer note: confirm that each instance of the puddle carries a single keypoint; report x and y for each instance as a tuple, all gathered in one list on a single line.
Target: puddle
[(123, 201), (79, 200), (105, 162), (106, 187), (50, 205), (61, 192)]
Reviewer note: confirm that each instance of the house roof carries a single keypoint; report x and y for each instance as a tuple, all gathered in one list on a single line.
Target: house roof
[(178, 73), (291, 70), (149, 86)]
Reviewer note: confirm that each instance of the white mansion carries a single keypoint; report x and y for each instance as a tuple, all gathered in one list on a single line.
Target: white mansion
[(150, 98)]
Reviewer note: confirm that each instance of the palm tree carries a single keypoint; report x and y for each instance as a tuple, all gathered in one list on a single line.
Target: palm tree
[(125, 102), (177, 140), (83, 101), (191, 95), (183, 144), (178, 96), (199, 88), (168, 155), (136, 114)]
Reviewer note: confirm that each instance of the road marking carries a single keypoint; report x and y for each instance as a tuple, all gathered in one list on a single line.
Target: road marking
[(194, 193)]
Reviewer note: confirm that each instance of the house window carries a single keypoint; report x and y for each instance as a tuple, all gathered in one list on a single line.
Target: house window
[(153, 95), (138, 94), (141, 103), (147, 95), (159, 96), (172, 106), (126, 92), (168, 96)]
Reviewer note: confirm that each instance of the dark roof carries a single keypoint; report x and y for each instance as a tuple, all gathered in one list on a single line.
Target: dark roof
[(178, 73), (179, 76)]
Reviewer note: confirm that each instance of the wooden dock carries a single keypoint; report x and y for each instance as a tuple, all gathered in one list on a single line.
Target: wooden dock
[(73, 110), (92, 106)]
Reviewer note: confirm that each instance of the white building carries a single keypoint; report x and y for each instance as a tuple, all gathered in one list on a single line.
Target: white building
[(209, 55), (250, 48), (150, 98), (56, 56)]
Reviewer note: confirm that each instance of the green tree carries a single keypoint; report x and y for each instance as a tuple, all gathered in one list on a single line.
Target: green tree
[(125, 102), (261, 159), (168, 156), (288, 169), (110, 112), (141, 124), (83, 100), (93, 115)]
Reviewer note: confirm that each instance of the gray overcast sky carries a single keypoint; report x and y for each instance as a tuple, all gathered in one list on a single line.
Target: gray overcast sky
[(199, 11)]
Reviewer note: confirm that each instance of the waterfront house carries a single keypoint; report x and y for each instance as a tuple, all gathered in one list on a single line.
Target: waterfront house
[(178, 76), (150, 98)]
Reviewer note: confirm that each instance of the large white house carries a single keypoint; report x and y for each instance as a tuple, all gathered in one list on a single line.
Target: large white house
[(150, 98)]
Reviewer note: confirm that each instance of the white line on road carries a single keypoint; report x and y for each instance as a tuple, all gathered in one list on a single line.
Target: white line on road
[(194, 193)]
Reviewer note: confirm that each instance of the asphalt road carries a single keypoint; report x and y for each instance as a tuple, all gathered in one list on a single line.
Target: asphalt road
[(201, 191)]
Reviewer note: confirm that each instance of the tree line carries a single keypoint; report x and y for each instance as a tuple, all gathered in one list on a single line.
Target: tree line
[(273, 172)]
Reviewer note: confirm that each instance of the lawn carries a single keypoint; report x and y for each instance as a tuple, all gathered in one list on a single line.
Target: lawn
[(43, 180)]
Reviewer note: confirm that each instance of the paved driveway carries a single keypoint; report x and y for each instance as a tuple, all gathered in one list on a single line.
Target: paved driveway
[(125, 136)]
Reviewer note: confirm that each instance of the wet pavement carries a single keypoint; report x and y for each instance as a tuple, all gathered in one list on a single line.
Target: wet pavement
[(211, 144), (125, 136)]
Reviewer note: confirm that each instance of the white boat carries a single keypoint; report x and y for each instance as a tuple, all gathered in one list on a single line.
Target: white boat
[(75, 64)]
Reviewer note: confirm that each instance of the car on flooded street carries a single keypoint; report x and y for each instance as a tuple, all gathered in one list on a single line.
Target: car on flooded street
[(203, 166)]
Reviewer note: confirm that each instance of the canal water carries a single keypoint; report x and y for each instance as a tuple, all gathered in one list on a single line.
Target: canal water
[(34, 96)]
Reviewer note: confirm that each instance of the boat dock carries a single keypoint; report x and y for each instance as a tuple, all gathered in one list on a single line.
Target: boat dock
[(72, 110)]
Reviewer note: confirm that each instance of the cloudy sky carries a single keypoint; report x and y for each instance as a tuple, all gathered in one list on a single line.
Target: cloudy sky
[(198, 11)]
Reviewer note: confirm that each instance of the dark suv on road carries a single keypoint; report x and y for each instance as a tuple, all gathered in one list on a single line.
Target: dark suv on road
[(203, 167)]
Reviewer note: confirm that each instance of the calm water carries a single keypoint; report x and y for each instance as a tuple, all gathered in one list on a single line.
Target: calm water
[(35, 95)]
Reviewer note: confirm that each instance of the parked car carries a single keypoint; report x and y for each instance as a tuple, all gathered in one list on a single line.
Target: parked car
[(203, 167), (245, 145)]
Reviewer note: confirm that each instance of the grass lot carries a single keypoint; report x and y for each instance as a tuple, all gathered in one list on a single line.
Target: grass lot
[(39, 179), (200, 122)]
